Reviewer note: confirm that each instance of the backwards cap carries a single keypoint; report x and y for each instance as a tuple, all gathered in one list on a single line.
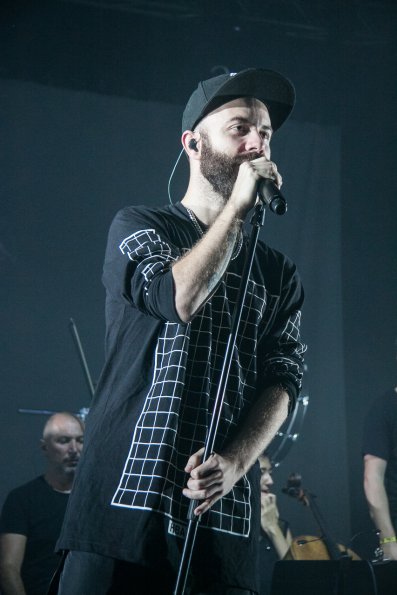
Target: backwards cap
[(270, 87)]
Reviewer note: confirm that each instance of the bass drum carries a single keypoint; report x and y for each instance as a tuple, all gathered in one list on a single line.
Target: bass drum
[(289, 433)]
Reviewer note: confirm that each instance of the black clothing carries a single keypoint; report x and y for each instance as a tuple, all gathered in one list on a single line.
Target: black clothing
[(36, 511), (87, 573), (155, 397), (268, 556), (380, 440)]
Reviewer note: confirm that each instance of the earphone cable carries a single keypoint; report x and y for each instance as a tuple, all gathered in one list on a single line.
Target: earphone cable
[(172, 175)]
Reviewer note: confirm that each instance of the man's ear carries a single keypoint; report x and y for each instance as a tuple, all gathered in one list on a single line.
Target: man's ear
[(43, 444), (190, 141)]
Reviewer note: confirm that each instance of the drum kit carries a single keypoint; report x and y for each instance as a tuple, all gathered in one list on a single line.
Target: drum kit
[(289, 433)]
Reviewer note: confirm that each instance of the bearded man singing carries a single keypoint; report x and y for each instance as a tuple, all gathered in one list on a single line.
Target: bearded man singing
[(172, 276)]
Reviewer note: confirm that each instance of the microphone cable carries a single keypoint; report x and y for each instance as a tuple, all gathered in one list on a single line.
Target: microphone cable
[(172, 175)]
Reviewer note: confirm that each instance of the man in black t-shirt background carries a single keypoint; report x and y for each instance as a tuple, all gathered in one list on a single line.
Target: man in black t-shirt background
[(32, 515), (380, 469)]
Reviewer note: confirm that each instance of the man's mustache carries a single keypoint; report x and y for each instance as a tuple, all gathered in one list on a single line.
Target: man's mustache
[(239, 159)]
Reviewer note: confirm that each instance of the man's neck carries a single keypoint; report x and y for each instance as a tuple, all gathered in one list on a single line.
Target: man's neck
[(59, 482), (203, 201)]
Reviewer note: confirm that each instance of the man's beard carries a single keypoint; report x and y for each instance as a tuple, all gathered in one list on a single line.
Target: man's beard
[(219, 169)]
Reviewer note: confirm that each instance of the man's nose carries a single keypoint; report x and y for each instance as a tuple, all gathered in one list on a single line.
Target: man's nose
[(254, 141), (73, 446)]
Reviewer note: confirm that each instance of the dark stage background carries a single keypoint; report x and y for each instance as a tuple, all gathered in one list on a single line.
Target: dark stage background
[(91, 96)]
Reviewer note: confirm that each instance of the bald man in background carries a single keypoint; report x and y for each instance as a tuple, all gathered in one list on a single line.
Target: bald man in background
[(32, 515)]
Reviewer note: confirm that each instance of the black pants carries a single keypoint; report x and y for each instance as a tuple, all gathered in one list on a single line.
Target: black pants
[(88, 574)]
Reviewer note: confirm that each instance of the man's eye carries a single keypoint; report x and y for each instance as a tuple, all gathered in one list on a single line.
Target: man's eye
[(240, 128)]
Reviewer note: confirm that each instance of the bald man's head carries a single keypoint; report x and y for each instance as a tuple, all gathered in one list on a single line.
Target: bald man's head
[(57, 422), (62, 442)]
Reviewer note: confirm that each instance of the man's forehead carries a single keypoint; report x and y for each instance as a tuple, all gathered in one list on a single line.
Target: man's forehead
[(264, 463), (65, 432), (71, 428), (246, 107)]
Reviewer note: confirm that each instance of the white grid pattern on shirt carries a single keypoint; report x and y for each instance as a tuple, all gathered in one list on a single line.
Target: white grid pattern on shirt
[(175, 415)]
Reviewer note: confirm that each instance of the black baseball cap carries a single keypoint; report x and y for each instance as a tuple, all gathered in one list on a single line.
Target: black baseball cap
[(272, 88)]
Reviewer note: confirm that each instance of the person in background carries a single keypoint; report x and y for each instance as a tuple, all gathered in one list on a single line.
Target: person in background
[(275, 537), (33, 513), (380, 469)]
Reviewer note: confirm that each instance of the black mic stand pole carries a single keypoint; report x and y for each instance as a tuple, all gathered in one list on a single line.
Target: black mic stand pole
[(76, 337), (257, 222)]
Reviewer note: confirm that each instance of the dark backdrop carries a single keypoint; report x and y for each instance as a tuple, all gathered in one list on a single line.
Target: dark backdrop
[(90, 106)]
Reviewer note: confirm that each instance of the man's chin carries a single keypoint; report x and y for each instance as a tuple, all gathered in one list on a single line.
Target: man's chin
[(70, 467)]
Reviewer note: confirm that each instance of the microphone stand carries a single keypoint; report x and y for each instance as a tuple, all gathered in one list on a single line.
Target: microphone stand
[(257, 222), (83, 412), (83, 361)]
